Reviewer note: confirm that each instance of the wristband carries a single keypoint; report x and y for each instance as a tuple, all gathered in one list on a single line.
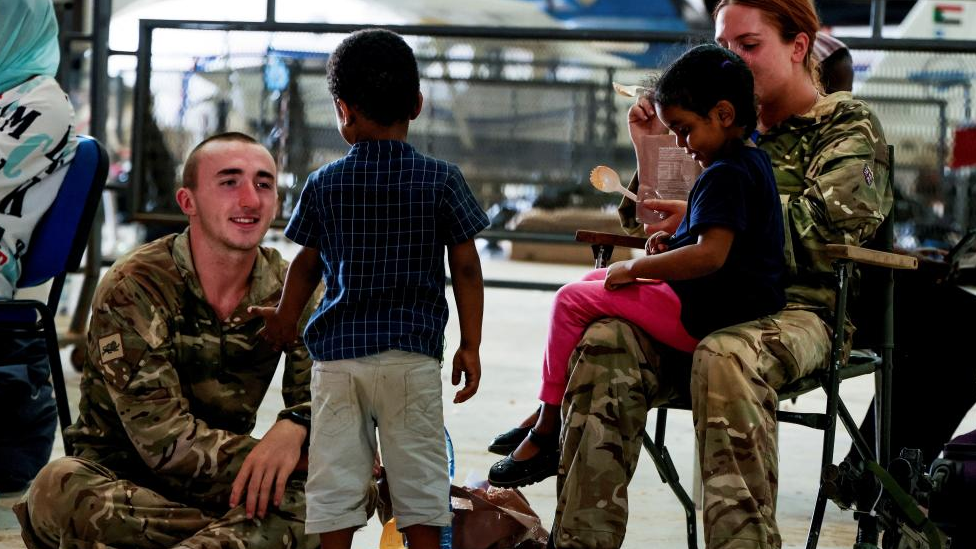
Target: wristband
[(304, 419)]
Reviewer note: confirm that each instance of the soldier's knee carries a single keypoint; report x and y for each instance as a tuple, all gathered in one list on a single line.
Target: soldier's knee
[(52, 476), (49, 496), (726, 348), (588, 377), (58, 482), (724, 365), (706, 360), (286, 524)]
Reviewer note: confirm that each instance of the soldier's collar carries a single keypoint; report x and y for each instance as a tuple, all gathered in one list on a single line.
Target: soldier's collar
[(264, 282), (827, 104), (821, 110), (184, 263), (261, 285)]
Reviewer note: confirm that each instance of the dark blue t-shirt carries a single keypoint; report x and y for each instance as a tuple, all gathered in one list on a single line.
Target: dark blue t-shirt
[(738, 192), (381, 218)]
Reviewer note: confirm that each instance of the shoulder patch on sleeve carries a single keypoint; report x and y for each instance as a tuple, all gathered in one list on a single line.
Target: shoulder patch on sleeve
[(110, 348), (868, 175)]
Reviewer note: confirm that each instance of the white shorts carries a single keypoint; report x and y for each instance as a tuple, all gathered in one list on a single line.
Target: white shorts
[(399, 394)]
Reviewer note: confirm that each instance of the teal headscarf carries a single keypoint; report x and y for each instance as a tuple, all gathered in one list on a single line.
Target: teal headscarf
[(28, 41)]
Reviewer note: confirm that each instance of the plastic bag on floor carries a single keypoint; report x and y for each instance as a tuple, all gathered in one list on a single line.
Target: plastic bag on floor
[(486, 517)]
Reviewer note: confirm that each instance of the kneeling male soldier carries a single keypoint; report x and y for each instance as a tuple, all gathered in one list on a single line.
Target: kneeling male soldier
[(172, 381)]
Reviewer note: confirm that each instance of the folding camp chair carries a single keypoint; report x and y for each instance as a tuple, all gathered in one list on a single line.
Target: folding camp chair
[(842, 366), (55, 250)]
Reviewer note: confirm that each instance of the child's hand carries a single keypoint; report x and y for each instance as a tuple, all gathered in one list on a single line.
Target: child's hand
[(468, 362), (642, 120), (618, 275), (278, 333), (657, 243), (675, 210)]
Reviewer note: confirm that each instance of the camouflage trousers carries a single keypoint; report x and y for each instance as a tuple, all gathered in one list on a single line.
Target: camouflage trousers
[(76, 503), (617, 373)]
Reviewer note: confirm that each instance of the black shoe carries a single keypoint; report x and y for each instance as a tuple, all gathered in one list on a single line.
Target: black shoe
[(507, 442), (512, 473)]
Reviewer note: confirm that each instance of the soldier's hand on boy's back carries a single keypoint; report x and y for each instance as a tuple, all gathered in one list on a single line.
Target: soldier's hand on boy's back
[(468, 363), (278, 332)]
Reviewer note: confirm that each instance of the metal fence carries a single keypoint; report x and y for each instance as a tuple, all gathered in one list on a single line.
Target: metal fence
[(525, 113), (924, 99)]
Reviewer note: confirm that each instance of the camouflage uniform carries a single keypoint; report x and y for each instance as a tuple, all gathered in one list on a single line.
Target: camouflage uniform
[(831, 168), (169, 394)]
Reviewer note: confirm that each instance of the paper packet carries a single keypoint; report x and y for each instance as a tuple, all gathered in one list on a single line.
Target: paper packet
[(663, 171)]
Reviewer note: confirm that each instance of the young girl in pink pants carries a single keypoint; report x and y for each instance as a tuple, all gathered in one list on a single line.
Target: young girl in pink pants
[(724, 264), (650, 304)]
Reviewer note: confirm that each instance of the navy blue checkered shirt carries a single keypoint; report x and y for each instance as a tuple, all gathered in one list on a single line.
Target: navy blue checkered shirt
[(381, 217)]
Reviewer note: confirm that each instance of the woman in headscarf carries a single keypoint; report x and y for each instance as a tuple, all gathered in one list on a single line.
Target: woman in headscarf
[(37, 136)]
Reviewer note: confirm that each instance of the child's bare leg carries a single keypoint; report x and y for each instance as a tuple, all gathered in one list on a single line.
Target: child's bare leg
[(549, 422), (504, 443), (338, 539), (531, 420), (421, 536)]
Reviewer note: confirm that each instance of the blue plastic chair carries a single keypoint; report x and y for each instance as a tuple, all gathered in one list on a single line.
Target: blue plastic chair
[(56, 248)]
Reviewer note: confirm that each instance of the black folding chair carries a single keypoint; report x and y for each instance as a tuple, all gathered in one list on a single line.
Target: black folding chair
[(843, 365), (55, 250)]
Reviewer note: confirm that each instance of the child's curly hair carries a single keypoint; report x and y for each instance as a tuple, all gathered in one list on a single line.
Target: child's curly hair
[(375, 71)]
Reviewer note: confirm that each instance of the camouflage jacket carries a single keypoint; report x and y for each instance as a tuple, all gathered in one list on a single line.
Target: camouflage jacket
[(169, 392), (831, 167)]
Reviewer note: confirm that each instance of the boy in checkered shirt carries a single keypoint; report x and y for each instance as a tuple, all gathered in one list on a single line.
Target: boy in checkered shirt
[(374, 226)]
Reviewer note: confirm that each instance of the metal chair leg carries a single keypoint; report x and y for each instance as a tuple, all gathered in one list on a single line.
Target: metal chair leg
[(665, 467), (57, 374), (842, 271), (601, 255)]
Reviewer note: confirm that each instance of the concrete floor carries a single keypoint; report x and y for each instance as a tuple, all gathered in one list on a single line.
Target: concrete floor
[(514, 331)]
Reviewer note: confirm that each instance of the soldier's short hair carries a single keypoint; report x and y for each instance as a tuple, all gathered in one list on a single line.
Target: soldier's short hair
[(190, 166)]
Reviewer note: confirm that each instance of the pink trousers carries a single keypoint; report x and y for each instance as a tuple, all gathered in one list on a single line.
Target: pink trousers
[(652, 305)]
